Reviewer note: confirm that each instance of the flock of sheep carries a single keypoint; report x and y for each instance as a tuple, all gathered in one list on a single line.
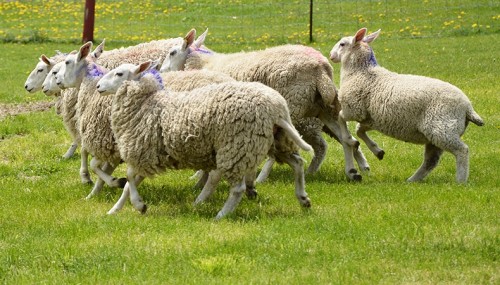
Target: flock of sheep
[(175, 104)]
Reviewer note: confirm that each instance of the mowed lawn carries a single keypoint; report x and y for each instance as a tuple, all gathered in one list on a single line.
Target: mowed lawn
[(382, 230)]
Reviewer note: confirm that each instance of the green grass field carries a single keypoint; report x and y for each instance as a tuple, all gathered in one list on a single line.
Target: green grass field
[(380, 231)]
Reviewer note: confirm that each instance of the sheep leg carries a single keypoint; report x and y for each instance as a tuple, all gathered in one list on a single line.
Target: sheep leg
[(266, 170), (250, 185), (235, 195), (334, 126), (125, 194), (431, 158), (135, 198), (297, 164), (107, 168), (451, 142), (84, 167), (105, 173), (202, 178), (213, 179), (372, 145), (358, 154), (71, 150), (319, 145)]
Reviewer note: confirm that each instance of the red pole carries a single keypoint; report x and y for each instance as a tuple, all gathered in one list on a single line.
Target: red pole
[(88, 21)]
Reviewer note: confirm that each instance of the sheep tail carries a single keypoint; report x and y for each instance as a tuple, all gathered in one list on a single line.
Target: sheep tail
[(474, 117), (327, 90), (293, 134)]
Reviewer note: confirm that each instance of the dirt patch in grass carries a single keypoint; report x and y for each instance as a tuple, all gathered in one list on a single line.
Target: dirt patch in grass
[(16, 109)]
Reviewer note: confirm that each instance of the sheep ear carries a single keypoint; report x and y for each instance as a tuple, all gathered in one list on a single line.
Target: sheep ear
[(143, 67), (201, 39), (84, 51), (98, 50), (46, 60), (359, 35), (155, 65), (371, 37), (189, 39)]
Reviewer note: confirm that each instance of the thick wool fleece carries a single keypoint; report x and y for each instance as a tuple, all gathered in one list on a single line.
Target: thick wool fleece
[(228, 126), (189, 80), (411, 108), (69, 98), (153, 50), (301, 74), (94, 121)]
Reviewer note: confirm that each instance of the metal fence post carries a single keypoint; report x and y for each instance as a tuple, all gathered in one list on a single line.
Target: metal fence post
[(88, 21), (310, 21)]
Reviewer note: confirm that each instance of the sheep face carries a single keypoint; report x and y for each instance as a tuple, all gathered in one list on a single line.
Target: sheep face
[(72, 72), (112, 80), (177, 55), (37, 75), (343, 47), (49, 85)]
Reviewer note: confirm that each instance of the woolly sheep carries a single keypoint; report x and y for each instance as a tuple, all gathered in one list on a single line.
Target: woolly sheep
[(81, 73), (411, 108), (43, 77), (301, 74), (34, 83), (228, 128)]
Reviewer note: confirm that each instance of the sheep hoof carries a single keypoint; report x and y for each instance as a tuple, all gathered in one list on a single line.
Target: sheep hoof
[(305, 202), (251, 193), (144, 209), (380, 155), (121, 182), (354, 175)]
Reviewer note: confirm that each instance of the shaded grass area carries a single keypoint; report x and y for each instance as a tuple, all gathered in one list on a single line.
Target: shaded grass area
[(382, 230)]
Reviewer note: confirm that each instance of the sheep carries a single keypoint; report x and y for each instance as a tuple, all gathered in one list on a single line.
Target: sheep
[(176, 81), (228, 128), (411, 108), (301, 74), (43, 77), (80, 72), (34, 83)]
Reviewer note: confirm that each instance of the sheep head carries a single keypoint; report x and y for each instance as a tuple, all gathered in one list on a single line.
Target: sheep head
[(343, 48), (75, 66), (49, 85), (38, 74), (112, 80), (177, 55)]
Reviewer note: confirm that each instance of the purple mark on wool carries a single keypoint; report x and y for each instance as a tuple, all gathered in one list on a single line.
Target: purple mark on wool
[(372, 59), (94, 70), (200, 50), (156, 74)]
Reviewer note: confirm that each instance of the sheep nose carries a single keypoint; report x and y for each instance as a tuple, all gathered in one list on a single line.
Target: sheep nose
[(26, 86), (98, 86)]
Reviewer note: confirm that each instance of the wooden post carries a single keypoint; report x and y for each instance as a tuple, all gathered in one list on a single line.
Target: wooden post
[(88, 21), (310, 21)]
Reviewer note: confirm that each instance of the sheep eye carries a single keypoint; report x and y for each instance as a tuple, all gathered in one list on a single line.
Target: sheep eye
[(172, 53), (119, 74), (54, 72), (39, 70), (67, 62), (342, 44)]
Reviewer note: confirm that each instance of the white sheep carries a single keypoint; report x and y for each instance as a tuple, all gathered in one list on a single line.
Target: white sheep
[(34, 83), (228, 128), (301, 74), (411, 108), (92, 114), (43, 77)]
